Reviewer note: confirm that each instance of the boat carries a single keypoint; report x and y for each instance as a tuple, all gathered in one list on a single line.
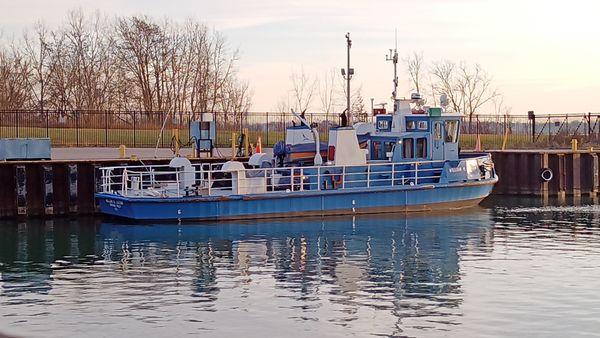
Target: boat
[(406, 160)]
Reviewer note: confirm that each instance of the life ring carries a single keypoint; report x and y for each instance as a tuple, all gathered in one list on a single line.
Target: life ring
[(546, 175)]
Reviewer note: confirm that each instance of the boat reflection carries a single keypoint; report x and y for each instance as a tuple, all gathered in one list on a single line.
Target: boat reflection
[(406, 264)]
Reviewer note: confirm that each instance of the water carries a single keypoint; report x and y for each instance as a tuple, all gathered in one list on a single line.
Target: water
[(509, 268)]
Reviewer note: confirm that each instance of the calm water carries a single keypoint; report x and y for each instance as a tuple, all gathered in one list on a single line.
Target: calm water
[(511, 268)]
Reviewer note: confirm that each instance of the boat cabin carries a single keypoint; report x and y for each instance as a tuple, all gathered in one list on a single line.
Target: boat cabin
[(413, 137)]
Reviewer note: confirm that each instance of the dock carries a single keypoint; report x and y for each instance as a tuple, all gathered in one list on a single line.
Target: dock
[(571, 173), (66, 185)]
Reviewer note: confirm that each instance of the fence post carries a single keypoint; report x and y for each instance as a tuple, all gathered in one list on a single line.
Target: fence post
[(77, 127), (531, 116), (106, 128), (17, 122), (47, 123), (589, 123), (267, 138), (134, 129)]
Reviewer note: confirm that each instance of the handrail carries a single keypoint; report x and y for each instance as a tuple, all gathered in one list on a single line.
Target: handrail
[(164, 181)]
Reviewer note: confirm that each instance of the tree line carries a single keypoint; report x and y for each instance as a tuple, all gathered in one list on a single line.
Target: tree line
[(91, 62), (325, 94), (468, 88)]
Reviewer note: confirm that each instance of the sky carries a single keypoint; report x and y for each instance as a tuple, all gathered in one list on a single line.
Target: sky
[(542, 55)]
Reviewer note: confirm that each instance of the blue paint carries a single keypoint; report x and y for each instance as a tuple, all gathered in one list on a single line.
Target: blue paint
[(326, 202)]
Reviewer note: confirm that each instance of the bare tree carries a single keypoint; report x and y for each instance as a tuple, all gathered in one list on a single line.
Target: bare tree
[(282, 105), (303, 90), (357, 103), (126, 63), (36, 49), (237, 99), (327, 91), (499, 107), (468, 88), (414, 66), (14, 86)]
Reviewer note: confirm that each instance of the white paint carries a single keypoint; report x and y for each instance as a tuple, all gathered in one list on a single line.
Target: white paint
[(298, 136), (187, 178), (347, 150)]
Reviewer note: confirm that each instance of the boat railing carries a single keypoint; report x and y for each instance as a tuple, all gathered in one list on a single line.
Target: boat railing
[(212, 180)]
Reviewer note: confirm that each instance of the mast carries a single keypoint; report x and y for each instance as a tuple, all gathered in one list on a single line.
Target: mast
[(393, 56), (347, 74)]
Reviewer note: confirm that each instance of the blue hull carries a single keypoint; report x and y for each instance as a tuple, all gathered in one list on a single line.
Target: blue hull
[(294, 204)]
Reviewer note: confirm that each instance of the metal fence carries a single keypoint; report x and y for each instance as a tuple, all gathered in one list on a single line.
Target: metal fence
[(145, 129)]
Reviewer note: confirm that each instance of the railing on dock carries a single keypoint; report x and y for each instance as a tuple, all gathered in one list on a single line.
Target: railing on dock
[(212, 180)]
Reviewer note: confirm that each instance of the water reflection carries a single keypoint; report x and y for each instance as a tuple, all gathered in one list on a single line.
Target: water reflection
[(405, 265), (492, 271)]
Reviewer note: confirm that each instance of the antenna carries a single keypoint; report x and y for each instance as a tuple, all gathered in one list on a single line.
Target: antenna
[(393, 56)]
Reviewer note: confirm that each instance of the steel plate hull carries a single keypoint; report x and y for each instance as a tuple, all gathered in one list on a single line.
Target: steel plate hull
[(294, 204)]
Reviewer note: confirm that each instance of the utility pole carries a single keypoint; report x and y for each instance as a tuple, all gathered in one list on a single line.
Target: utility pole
[(347, 74)]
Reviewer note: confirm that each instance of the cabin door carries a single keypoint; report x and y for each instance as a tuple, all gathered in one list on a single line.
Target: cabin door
[(437, 150)]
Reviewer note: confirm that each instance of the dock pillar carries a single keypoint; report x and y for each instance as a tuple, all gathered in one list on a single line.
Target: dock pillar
[(21, 178), (576, 174), (72, 178), (48, 179)]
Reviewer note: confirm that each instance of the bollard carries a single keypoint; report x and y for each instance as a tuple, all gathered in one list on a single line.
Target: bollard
[(122, 151), (574, 144)]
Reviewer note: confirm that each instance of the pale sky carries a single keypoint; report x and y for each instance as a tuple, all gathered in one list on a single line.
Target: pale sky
[(543, 55)]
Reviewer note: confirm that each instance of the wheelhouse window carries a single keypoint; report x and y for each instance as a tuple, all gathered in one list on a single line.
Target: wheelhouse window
[(422, 147), (407, 148), (376, 150), (383, 125), (437, 131), (451, 131)]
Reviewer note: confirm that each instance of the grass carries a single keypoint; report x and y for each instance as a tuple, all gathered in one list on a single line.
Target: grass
[(99, 137)]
